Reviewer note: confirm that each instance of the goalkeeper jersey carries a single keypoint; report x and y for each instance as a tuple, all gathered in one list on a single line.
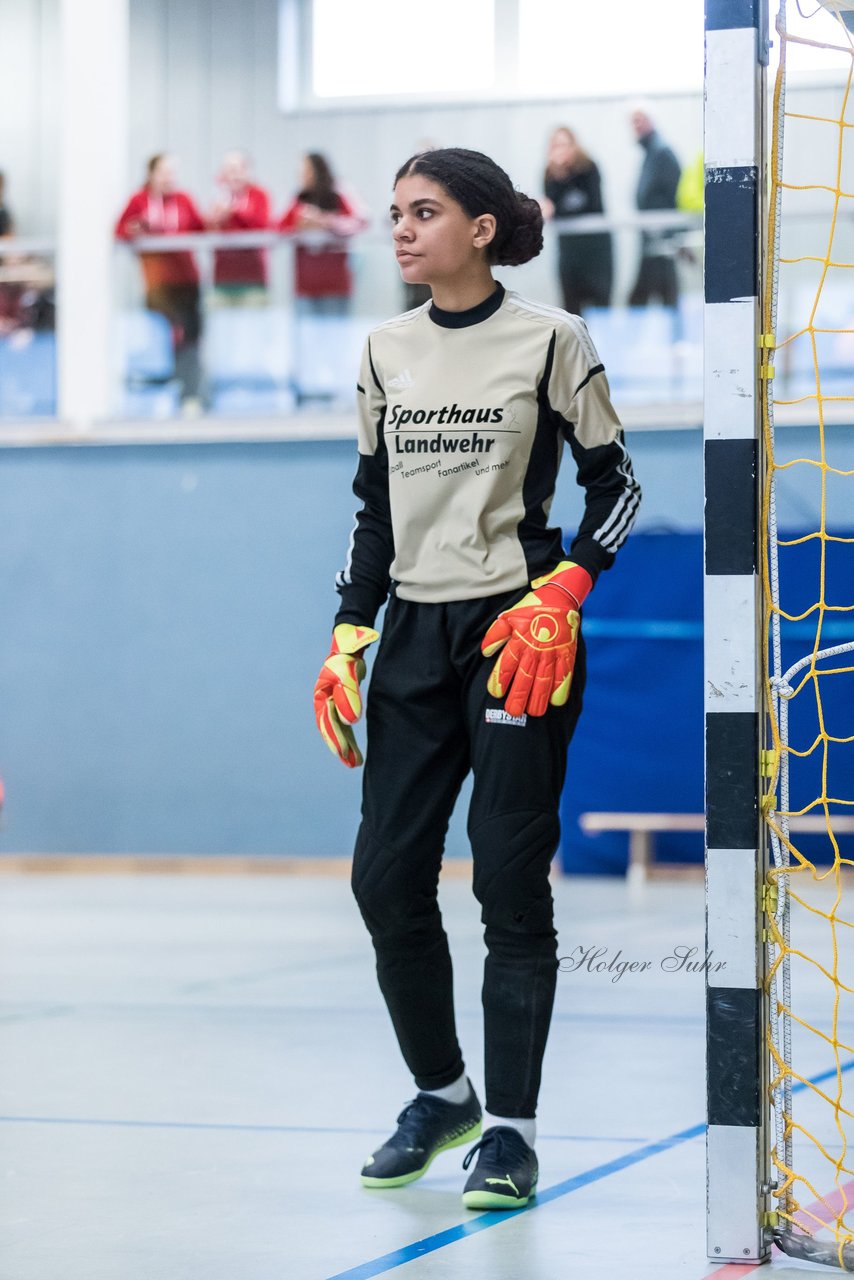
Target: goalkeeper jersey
[(463, 419)]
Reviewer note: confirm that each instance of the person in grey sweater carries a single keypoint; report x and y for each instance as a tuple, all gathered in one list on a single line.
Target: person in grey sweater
[(657, 182)]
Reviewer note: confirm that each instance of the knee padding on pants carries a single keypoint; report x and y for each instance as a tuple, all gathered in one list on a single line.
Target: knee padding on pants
[(395, 894), (512, 856)]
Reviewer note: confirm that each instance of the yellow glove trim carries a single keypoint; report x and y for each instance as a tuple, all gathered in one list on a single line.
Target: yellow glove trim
[(337, 697), (349, 638)]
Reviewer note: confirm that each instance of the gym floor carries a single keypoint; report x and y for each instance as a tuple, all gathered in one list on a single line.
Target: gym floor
[(194, 1067)]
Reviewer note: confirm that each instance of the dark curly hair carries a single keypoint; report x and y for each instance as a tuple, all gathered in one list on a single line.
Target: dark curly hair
[(481, 186), (322, 191)]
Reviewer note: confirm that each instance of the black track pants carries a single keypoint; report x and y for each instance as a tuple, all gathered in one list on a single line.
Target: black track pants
[(429, 721)]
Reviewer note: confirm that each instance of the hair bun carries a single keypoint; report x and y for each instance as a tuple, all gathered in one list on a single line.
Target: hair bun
[(523, 239), (480, 186)]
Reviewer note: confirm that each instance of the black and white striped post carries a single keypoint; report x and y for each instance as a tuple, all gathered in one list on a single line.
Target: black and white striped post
[(736, 50)]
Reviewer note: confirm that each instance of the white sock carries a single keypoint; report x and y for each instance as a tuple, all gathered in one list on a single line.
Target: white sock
[(457, 1092), (527, 1128)]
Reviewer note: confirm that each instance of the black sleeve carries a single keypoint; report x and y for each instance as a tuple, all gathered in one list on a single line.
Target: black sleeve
[(577, 393), (364, 582), (611, 500)]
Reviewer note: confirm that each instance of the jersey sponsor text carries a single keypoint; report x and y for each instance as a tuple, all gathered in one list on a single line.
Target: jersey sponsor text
[(440, 443), (447, 415)]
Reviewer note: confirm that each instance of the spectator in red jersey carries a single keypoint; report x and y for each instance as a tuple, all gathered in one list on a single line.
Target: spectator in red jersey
[(322, 218), (9, 293), (171, 279), (240, 275)]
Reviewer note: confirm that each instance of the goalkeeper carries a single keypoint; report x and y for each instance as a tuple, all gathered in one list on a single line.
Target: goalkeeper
[(465, 407)]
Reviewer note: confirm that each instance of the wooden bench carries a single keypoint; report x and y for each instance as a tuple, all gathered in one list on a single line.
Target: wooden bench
[(643, 827)]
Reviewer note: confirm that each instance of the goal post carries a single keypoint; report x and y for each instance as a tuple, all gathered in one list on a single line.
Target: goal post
[(779, 632), (734, 149)]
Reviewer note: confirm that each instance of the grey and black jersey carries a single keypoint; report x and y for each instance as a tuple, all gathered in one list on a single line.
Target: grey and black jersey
[(463, 418)]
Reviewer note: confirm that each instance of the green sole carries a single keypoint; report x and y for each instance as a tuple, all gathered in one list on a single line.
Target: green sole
[(404, 1179), (491, 1200)]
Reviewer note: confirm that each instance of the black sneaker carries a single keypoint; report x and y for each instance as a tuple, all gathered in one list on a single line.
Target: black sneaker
[(425, 1127), (505, 1176)]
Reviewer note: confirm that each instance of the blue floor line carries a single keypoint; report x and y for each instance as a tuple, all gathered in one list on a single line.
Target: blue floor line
[(30, 1013), (218, 1126), (377, 1266), (212, 1125), (822, 1076)]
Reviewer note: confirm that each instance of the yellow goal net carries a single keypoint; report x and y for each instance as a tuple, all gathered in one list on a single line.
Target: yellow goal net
[(807, 382)]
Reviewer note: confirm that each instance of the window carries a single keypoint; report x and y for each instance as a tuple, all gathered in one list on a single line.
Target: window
[(371, 51), (811, 22), (592, 48), (374, 47)]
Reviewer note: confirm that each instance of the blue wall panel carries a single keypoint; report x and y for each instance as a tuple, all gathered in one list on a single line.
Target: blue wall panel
[(165, 609), (639, 743)]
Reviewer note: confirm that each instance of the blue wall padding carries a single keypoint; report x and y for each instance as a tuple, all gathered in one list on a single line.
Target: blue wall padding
[(832, 707), (639, 743), (165, 611)]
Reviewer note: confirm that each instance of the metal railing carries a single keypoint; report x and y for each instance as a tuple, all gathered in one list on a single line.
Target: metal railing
[(274, 353)]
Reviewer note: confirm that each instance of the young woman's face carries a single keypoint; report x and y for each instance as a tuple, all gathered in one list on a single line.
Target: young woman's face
[(307, 174), (562, 149), (164, 177), (234, 173), (435, 240)]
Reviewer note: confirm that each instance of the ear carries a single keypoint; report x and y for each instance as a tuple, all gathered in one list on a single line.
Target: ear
[(485, 228)]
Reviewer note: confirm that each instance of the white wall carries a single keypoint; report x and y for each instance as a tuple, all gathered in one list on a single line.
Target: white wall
[(29, 111), (204, 80)]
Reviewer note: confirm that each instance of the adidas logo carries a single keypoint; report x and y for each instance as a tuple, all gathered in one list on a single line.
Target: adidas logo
[(402, 382)]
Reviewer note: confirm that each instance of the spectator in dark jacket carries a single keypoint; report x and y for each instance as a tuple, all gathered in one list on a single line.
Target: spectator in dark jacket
[(656, 189), (573, 188), (7, 227)]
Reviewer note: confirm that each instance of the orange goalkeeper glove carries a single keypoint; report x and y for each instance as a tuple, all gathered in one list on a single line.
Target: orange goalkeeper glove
[(337, 699), (538, 638)]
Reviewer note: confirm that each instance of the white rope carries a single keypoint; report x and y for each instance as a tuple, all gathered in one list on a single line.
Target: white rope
[(782, 684), (781, 691), (780, 987)]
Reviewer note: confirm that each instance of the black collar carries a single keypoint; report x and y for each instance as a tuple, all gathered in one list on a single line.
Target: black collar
[(474, 315)]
